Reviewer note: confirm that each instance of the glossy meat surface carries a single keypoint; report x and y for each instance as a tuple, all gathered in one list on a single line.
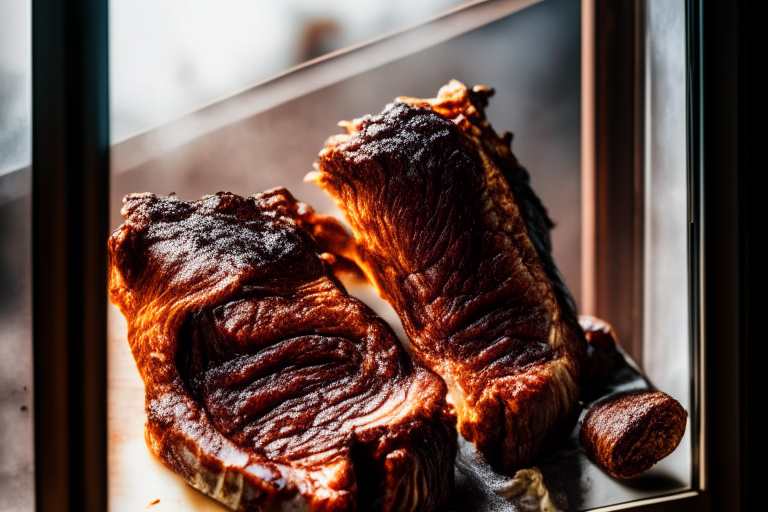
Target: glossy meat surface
[(267, 386), (452, 235)]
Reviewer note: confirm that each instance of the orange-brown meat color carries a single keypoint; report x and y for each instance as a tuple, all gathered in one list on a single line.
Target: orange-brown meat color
[(267, 386), (450, 232)]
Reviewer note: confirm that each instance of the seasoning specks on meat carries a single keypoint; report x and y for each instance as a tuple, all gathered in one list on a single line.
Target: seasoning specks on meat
[(451, 234), (267, 386)]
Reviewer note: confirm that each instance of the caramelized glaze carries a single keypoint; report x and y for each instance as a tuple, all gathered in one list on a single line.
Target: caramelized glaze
[(267, 386), (452, 235)]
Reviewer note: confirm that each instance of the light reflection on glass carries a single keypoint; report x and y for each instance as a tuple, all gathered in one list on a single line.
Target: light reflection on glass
[(168, 58)]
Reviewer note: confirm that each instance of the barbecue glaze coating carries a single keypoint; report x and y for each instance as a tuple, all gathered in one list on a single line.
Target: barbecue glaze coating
[(267, 386), (450, 232), (627, 434)]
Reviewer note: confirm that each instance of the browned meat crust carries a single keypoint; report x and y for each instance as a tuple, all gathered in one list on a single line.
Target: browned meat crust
[(267, 386), (603, 358), (452, 235), (627, 434)]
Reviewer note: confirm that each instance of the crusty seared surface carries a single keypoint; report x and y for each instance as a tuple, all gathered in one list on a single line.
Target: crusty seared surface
[(452, 235), (267, 386), (626, 433), (629, 433)]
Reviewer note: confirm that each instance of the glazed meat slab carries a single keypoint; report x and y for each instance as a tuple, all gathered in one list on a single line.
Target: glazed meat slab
[(452, 235), (267, 386)]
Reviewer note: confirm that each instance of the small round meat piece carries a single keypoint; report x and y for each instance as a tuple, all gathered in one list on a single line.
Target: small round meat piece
[(598, 332), (603, 357), (627, 434)]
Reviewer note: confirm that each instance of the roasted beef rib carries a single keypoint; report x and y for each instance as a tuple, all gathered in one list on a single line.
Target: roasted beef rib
[(452, 235), (267, 386)]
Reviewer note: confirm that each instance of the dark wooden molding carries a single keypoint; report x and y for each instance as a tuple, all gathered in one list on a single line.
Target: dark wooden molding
[(70, 191), (752, 113), (619, 168)]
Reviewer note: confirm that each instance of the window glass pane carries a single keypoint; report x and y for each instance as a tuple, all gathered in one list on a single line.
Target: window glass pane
[(16, 431), (666, 215), (666, 346), (15, 86), (170, 57)]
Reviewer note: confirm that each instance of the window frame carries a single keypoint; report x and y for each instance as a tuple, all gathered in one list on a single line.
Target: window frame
[(70, 218)]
